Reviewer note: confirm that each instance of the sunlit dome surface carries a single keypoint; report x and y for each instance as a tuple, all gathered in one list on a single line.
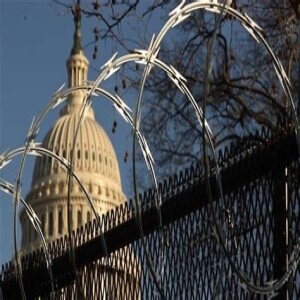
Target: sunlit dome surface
[(93, 151)]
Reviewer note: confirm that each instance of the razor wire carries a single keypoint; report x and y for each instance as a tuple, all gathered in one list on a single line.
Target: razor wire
[(149, 59)]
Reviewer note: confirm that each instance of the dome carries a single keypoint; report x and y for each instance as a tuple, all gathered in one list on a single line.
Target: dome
[(93, 151), (61, 207), (94, 163)]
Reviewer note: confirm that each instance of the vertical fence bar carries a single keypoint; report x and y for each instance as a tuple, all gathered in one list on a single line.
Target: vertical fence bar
[(280, 227)]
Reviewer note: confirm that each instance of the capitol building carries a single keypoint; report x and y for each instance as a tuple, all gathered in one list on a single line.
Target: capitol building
[(95, 163)]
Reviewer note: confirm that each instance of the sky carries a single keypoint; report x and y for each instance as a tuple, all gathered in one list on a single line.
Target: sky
[(35, 42)]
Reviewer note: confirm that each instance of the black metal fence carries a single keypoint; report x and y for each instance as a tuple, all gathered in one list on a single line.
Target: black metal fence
[(181, 253)]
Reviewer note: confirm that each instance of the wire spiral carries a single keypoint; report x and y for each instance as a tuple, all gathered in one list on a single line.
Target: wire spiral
[(149, 59)]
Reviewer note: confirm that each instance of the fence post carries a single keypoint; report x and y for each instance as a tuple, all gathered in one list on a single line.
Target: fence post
[(280, 227)]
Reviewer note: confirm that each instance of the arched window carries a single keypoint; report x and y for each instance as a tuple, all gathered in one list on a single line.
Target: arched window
[(71, 217), (61, 187), (60, 221), (50, 229), (88, 216), (79, 218), (74, 78)]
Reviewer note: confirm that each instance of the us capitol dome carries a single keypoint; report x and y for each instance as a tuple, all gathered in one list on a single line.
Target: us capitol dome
[(95, 163)]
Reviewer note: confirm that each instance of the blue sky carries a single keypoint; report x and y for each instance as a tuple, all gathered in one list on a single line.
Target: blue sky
[(35, 42)]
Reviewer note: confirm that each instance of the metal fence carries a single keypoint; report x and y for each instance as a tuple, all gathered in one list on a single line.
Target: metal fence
[(183, 253)]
